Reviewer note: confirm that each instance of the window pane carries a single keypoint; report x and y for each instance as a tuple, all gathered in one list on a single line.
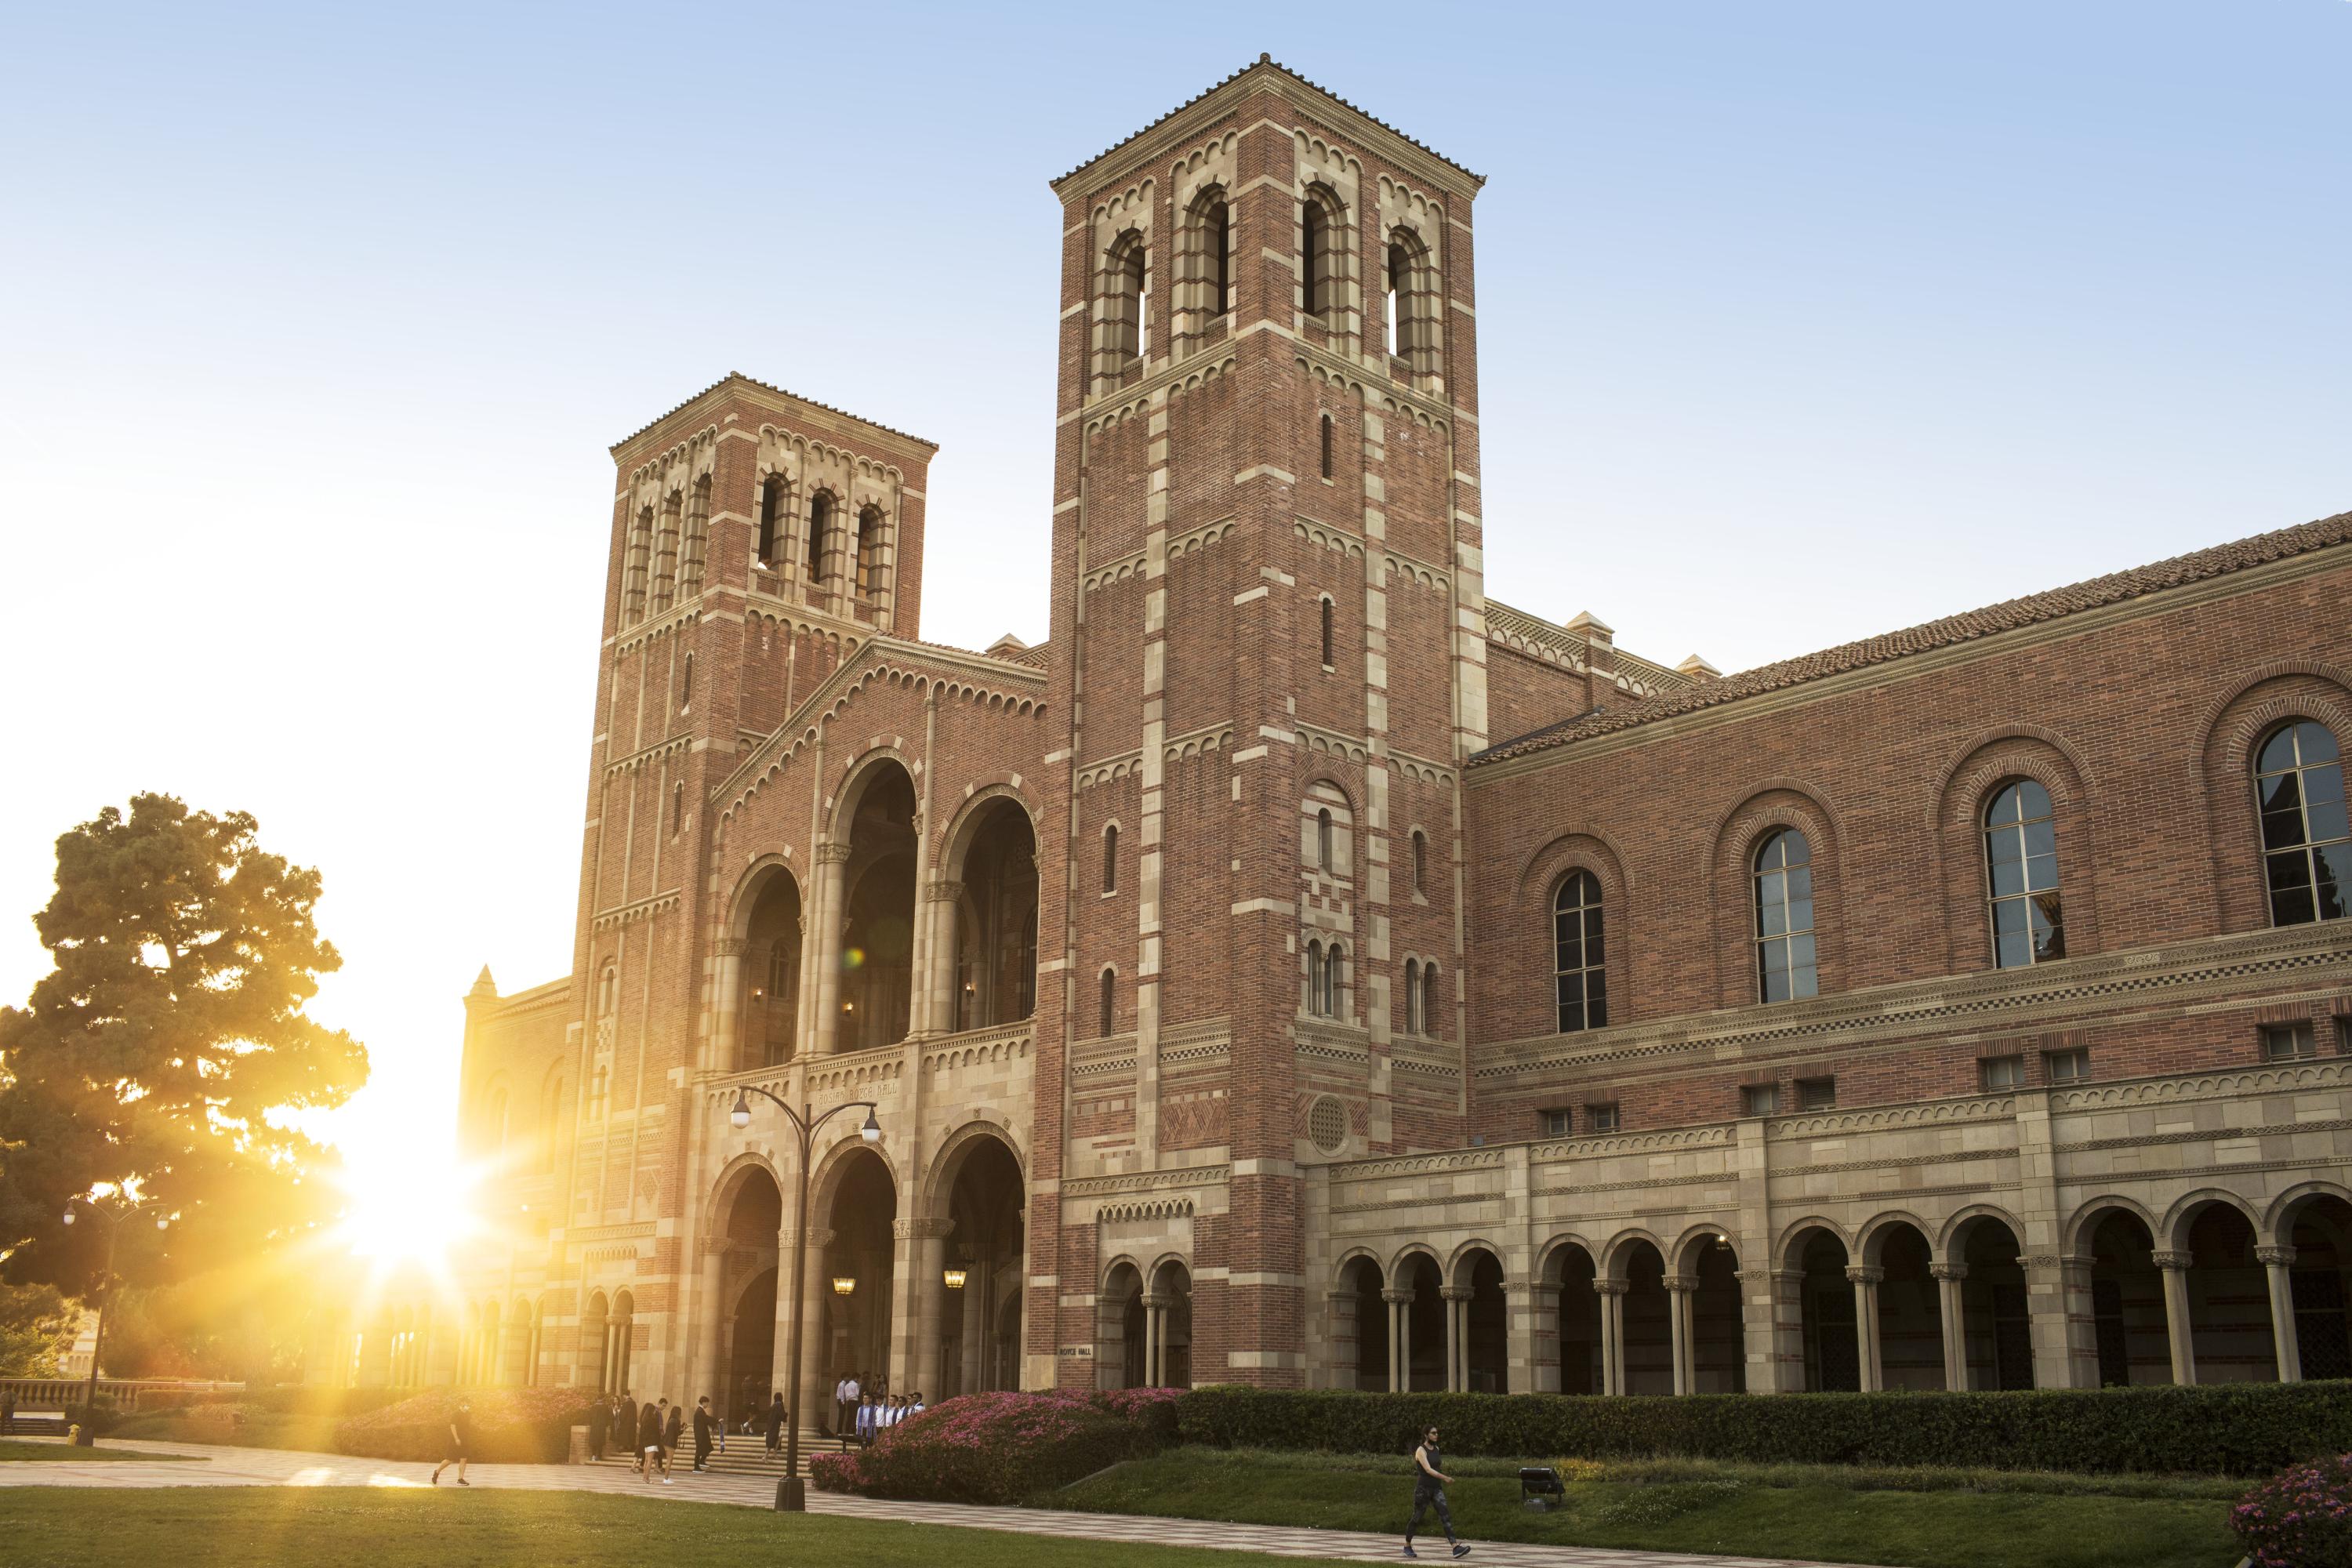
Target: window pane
[(1592, 927), (2290, 870), (1775, 985), (1571, 1016), (2041, 873), (2034, 801), (1773, 955), (1771, 917), (2317, 742), (2004, 806), (1804, 982), (2328, 821), (1800, 914), (1801, 963), (2008, 878), (2322, 784), (1794, 846), (2048, 932), (2012, 950), (2278, 752), (2041, 839), (2007, 916), (2335, 879), (1597, 1010), (2283, 792), (1801, 882), (2290, 906), (2004, 847), (1596, 989), (2282, 829)]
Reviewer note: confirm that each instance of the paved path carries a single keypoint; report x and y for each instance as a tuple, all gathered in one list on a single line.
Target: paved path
[(228, 1466)]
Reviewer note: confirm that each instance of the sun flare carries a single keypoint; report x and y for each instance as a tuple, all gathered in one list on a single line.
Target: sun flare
[(402, 1210)]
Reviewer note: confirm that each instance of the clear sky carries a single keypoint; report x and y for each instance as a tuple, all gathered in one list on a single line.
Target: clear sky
[(1797, 321)]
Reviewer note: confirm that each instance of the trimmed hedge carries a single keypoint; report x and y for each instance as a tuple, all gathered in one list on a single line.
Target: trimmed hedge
[(1003, 1448), (2238, 1429), (511, 1425)]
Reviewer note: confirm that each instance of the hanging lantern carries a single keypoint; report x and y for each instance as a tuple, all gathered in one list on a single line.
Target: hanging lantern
[(844, 1284), (953, 1278)]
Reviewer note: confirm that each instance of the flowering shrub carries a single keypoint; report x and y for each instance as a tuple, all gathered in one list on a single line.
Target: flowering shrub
[(2300, 1517), (515, 1425), (1003, 1448)]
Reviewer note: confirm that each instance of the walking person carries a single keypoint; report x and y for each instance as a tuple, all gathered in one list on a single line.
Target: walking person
[(850, 1393), (865, 1419), (648, 1441), (704, 1423), (600, 1430), (673, 1429), (1429, 1483), (461, 1439), (777, 1416)]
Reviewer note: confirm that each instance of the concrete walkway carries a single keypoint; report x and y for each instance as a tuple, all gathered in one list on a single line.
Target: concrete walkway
[(228, 1466)]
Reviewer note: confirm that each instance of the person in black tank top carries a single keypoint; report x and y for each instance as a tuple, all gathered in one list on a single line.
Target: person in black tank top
[(1429, 1483)]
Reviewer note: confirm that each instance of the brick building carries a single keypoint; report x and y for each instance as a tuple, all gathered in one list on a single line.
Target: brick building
[(1303, 969)]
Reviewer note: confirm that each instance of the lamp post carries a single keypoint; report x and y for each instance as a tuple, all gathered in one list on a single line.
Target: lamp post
[(792, 1492), (112, 1217)]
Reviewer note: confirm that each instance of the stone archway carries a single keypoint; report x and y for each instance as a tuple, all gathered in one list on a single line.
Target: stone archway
[(1119, 1349), (1360, 1359), (878, 927), (854, 1279), (2127, 1305), (2318, 1230), (986, 1205), (995, 978), (770, 1007), (1580, 1370), (742, 1370), (1833, 1341)]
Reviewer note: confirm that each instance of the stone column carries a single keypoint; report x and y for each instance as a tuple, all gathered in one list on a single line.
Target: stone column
[(1613, 1333), (2076, 1357), (1537, 1316), (1867, 1277), (975, 1323), (935, 974), (906, 1300), (1457, 1336), (930, 1264), (1684, 1346), (2178, 1327), (725, 1046), (1155, 1308), (818, 1374), (2276, 1261), (1952, 1308), (709, 1346), (1344, 1348), (821, 939), (1399, 1338)]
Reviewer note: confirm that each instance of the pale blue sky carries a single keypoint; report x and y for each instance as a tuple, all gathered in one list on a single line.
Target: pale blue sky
[(1798, 321)]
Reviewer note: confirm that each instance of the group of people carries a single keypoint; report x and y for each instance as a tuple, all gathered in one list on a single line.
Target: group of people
[(654, 1433), (863, 1412)]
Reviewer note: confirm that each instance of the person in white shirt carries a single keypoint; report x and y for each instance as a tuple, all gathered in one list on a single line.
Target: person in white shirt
[(845, 1399)]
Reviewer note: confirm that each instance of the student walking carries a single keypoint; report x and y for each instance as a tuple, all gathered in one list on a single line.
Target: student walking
[(1429, 1483), (777, 1416), (600, 1428), (704, 1424), (461, 1439), (649, 1424), (673, 1429)]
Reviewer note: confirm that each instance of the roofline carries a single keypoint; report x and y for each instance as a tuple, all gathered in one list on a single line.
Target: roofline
[(735, 380), (1266, 71), (2236, 565)]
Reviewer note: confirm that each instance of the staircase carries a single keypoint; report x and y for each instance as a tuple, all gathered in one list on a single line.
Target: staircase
[(746, 1454)]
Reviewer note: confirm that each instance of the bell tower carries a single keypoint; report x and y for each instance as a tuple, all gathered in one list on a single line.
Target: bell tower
[(1268, 640)]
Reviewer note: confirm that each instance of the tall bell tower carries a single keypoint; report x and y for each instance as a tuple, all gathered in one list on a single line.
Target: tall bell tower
[(1267, 642)]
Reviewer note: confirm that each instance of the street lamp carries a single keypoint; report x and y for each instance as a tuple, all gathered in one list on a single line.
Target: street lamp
[(792, 1492), (112, 1217)]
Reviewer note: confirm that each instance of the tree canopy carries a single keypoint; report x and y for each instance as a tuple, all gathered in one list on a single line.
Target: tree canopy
[(166, 1049)]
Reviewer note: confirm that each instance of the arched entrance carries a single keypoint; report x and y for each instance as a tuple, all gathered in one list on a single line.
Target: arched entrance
[(1423, 1345), (1360, 1326), (1648, 1337), (1997, 1335), (1120, 1356), (1718, 1325), (1168, 1327), (771, 972), (1825, 1298), (596, 1344), (879, 902), (1579, 1322), (996, 921), (2127, 1307), (987, 1207), (621, 1341), (1910, 1319), (2229, 1300), (743, 1372), (1486, 1340), (2320, 1231), (855, 1283)]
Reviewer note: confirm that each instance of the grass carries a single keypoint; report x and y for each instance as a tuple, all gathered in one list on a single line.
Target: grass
[(332, 1527), (1903, 1519), (12, 1448)]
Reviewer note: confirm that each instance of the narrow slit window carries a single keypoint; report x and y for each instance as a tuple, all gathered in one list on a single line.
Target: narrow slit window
[(1326, 446), (820, 532), (1323, 840), (1419, 862), (1328, 641), (1110, 858), (1110, 1002)]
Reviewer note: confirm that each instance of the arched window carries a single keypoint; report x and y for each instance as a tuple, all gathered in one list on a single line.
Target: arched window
[(1419, 862), (1128, 280), (1399, 280), (1784, 918), (1580, 983), (1320, 253), (1334, 957), (686, 684), (869, 553), (820, 539), (677, 806), (1428, 1009), (772, 520), (1216, 240), (608, 990), (1326, 446), (1110, 858), (1327, 632), (1110, 1002), (1412, 996), (2306, 843), (2021, 876), (1323, 840), (1315, 978)]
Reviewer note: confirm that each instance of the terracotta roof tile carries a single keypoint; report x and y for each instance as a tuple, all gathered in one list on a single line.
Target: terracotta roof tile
[(2031, 610), (779, 391)]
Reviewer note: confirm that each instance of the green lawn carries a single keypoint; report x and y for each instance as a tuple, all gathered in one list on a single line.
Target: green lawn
[(1908, 1518), (23, 1448), (333, 1527), (308, 1433)]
